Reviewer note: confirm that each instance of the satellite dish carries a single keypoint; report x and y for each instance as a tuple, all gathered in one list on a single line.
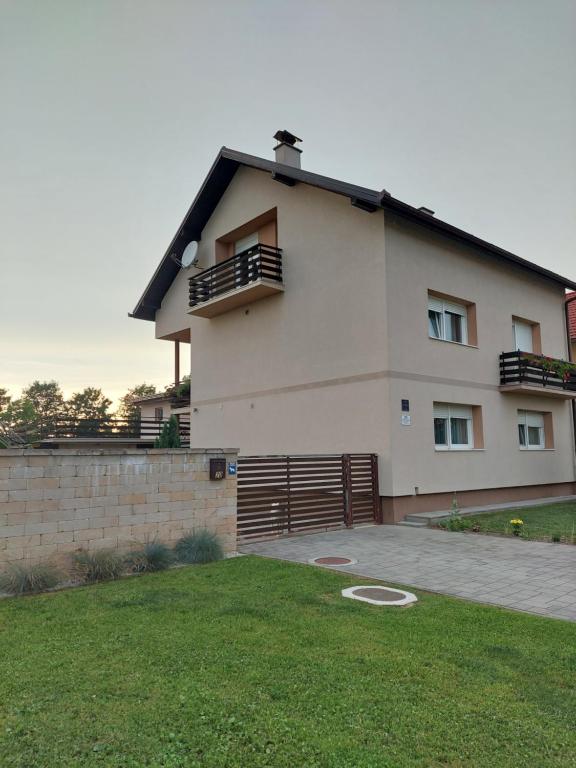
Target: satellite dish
[(190, 255)]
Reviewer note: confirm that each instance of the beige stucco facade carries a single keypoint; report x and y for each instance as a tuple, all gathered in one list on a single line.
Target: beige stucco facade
[(324, 366)]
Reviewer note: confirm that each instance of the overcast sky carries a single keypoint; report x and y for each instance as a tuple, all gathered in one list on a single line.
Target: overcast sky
[(112, 111)]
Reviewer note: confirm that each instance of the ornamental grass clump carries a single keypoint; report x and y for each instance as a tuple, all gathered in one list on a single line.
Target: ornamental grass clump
[(517, 526), (101, 565), (29, 578), (200, 547), (154, 556)]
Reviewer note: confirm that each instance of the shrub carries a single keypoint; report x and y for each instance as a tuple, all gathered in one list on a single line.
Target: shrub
[(183, 389), (101, 565), (25, 579), (201, 547), (170, 435), (454, 523), (556, 537), (154, 556)]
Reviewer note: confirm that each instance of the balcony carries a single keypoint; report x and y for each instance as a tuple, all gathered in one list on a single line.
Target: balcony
[(530, 374), (242, 279), (107, 430)]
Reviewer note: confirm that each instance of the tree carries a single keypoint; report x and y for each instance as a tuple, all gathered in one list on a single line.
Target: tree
[(47, 401), (127, 409), (20, 418), (90, 403), (170, 435), (4, 400)]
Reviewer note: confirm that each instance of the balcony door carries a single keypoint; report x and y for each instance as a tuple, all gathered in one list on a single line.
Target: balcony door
[(246, 268), (523, 336)]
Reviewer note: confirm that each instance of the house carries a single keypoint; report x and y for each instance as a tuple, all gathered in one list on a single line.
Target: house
[(174, 401), (324, 317)]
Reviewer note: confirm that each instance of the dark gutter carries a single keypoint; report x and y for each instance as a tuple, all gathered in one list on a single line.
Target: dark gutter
[(570, 357)]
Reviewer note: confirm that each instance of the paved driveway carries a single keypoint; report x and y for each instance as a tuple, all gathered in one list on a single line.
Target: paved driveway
[(525, 575)]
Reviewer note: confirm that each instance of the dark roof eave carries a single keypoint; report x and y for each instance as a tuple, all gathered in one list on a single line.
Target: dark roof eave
[(454, 233), (215, 184), (218, 179)]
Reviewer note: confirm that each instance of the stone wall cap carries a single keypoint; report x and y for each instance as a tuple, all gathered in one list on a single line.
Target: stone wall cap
[(112, 451)]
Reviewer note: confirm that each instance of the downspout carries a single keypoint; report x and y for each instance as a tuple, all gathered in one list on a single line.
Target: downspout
[(570, 358)]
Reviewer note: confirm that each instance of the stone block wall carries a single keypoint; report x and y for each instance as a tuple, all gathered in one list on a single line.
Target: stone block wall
[(55, 502)]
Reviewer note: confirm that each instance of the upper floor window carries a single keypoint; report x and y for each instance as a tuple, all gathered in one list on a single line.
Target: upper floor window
[(260, 230), (534, 430), (526, 336), (158, 414), (447, 320)]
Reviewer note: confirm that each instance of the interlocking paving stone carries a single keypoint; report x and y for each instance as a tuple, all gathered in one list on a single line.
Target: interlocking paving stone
[(531, 576)]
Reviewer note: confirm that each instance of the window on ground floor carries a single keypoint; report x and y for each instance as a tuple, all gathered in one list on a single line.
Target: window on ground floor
[(454, 427), (534, 430)]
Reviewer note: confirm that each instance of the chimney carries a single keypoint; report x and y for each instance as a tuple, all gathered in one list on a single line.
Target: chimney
[(285, 152)]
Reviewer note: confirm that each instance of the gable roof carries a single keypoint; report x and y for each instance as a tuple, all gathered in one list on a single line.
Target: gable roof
[(571, 301), (219, 177)]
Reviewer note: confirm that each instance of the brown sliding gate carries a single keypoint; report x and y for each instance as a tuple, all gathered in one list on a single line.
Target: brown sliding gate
[(285, 494)]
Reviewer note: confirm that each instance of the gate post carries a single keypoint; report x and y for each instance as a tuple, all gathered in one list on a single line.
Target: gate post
[(288, 494), (377, 506), (347, 483)]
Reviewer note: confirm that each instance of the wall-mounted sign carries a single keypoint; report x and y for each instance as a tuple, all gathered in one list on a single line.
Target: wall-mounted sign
[(217, 469), (406, 420), (405, 406), (231, 467)]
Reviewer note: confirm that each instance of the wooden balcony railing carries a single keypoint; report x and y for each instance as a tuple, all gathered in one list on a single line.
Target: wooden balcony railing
[(261, 262), (537, 371), (109, 427)]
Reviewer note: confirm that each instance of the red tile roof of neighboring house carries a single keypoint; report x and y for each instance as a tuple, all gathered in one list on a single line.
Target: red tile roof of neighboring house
[(572, 313)]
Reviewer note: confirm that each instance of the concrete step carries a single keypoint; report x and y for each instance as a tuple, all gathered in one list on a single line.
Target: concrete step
[(417, 518), (413, 523), (431, 518)]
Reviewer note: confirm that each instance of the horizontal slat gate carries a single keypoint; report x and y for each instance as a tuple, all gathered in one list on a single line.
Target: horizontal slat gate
[(285, 494)]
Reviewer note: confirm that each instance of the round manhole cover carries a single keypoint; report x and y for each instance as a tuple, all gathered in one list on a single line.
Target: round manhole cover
[(332, 560), (380, 595)]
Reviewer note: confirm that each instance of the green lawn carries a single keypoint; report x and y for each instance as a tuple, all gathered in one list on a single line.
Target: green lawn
[(543, 522), (250, 662)]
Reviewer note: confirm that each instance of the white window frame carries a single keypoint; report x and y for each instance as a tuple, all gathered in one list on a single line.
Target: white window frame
[(531, 420), (521, 326), (443, 307), (448, 412)]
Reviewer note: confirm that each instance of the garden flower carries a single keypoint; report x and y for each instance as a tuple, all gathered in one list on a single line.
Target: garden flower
[(516, 524)]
